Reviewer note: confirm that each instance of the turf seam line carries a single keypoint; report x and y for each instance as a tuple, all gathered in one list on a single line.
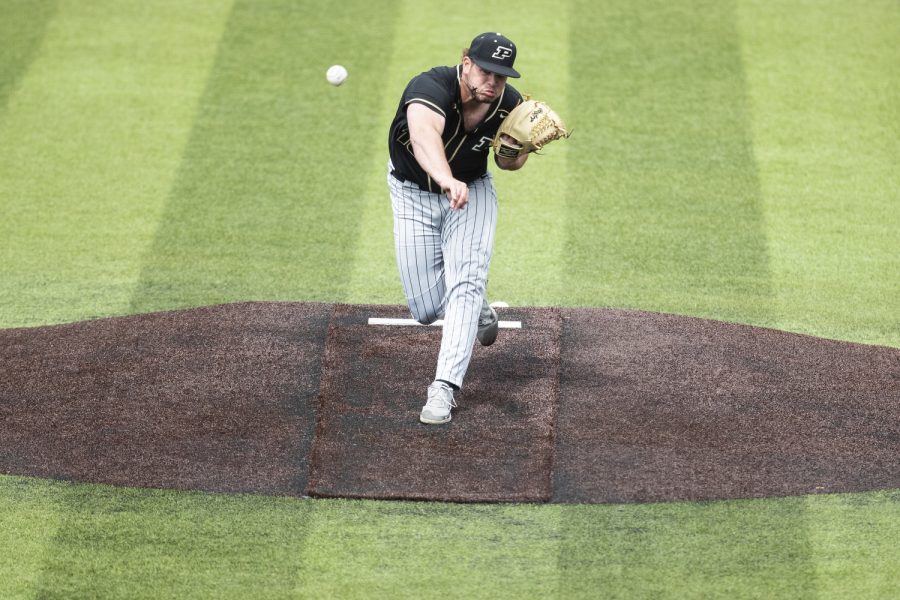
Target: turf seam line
[(554, 417), (327, 359)]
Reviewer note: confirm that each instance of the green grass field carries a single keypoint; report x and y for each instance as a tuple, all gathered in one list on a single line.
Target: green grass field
[(732, 160)]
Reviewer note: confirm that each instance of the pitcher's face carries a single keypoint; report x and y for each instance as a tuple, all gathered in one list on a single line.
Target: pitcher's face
[(484, 86)]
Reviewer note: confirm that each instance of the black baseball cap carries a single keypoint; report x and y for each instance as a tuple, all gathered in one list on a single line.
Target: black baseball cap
[(495, 53)]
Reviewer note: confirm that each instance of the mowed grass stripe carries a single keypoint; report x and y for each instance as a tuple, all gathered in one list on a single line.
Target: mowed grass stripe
[(824, 83), (133, 543), (267, 200), (366, 549), (528, 264), (733, 549), (22, 27), (853, 539), (30, 513), (664, 202), (93, 131), (522, 272)]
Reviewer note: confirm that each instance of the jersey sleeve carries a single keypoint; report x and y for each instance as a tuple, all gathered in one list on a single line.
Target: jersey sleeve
[(428, 90)]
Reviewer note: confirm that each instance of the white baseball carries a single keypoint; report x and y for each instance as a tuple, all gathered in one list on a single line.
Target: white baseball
[(336, 74)]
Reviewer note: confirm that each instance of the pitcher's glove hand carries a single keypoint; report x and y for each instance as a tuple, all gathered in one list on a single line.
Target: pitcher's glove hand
[(532, 125)]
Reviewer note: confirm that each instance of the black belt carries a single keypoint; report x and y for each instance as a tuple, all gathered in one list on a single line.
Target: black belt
[(403, 179)]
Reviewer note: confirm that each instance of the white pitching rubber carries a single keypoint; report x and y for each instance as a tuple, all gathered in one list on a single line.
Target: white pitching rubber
[(438, 323)]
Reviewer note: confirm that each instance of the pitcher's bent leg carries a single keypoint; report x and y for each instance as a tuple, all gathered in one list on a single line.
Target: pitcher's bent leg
[(417, 242), (468, 246)]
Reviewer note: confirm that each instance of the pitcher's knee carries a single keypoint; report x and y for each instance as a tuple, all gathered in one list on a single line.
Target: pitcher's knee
[(424, 316), (469, 289)]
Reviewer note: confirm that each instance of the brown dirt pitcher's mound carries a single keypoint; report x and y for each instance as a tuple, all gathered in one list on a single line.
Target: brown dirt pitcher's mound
[(217, 398), (582, 405), (499, 445), (658, 407)]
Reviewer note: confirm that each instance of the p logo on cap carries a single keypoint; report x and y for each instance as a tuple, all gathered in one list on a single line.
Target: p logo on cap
[(494, 52), (502, 52)]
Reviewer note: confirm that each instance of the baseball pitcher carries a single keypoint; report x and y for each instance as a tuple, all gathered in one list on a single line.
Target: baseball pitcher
[(444, 201)]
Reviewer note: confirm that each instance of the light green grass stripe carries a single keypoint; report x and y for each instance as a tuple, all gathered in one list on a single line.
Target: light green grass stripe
[(92, 135), (120, 542), (366, 549), (824, 81), (664, 203), (29, 517), (853, 539), (267, 201), (131, 543), (528, 264), (522, 272)]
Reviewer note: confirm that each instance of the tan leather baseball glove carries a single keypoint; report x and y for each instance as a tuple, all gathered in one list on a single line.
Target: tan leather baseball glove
[(532, 124)]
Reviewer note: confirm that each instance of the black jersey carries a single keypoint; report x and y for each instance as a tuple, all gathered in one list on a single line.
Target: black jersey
[(467, 151)]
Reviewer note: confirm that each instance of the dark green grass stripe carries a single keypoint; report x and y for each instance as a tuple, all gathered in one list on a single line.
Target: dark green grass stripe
[(23, 24), (267, 198), (664, 200), (724, 550), (133, 543)]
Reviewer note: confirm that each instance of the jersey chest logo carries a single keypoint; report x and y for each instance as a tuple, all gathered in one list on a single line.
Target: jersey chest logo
[(483, 144)]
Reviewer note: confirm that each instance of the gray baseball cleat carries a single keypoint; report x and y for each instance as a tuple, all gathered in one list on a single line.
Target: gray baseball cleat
[(488, 325), (440, 402)]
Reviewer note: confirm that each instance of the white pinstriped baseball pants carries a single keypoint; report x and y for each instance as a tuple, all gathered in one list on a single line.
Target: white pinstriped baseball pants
[(443, 256)]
